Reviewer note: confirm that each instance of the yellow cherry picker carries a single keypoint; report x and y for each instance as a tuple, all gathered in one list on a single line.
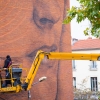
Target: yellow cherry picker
[(15, 74)]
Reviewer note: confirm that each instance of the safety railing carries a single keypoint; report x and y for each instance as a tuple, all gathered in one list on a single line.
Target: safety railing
[(14, 75)]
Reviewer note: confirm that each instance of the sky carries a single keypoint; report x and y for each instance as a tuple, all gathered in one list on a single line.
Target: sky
[(77, 29)]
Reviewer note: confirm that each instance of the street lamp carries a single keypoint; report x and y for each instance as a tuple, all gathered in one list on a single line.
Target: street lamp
[(40, 80)]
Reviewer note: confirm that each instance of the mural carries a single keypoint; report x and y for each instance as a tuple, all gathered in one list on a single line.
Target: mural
[(27, 26)]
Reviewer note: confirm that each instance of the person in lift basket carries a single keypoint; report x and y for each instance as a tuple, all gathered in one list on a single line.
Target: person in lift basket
[(7, 64)]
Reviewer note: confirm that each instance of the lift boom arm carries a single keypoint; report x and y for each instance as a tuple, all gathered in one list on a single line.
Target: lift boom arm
[(54, 55)]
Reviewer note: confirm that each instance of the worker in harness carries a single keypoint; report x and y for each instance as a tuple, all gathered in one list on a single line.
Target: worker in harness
[(7, 64)]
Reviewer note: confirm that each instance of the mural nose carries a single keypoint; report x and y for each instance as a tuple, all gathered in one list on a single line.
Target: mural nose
[(46, 13)]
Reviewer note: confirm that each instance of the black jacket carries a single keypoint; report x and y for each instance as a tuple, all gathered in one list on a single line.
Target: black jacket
[(7, 63)]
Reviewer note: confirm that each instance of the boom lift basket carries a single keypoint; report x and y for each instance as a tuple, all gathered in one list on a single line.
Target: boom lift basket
[(13, 80)]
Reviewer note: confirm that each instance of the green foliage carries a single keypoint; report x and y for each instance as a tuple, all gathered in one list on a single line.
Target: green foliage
[(89, 9)]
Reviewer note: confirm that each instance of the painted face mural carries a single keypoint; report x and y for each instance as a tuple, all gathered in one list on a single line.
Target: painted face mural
[(27, 26)]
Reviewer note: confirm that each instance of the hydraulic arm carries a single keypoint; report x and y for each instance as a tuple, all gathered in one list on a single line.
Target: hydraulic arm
[(54, 55), (18, 86)]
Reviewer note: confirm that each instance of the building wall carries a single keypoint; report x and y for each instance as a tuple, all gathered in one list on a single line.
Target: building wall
[(83, 71), (27, 26)]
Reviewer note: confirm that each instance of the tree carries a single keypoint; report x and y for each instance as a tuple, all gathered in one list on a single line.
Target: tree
[(89, 9)]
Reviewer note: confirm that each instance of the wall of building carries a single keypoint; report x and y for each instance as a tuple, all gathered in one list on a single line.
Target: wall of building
[(83, 71), (27, 26)]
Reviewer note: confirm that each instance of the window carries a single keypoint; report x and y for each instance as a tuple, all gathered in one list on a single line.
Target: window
[(73, 64), (74, 82), (93, 64), (94, 86)]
